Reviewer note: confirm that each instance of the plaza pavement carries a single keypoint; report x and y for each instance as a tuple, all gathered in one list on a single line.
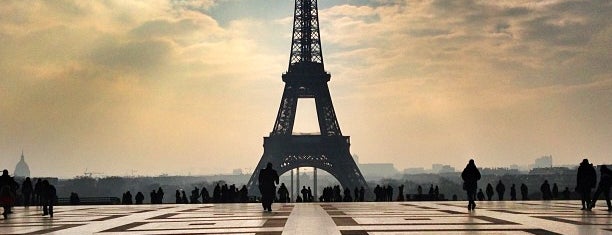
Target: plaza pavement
[(441, 217)]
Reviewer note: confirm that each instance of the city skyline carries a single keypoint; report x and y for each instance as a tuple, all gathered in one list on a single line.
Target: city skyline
[(193, 86)]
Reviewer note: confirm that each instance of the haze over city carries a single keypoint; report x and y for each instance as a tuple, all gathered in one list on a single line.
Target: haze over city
[(191, 87)]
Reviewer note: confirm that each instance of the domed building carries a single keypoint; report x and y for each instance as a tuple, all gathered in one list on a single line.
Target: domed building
[(22, 169)]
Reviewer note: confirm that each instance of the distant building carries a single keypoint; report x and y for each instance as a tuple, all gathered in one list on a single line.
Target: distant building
[(542, 162), (552, 171), (499, 171), (377, 170), (237, 171), (415, 170), (22, 169), (439, 168)]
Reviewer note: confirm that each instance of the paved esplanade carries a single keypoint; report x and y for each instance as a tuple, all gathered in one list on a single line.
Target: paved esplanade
[(520, 217)]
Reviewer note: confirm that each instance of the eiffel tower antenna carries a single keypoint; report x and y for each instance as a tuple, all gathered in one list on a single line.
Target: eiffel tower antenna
[(306, 78)]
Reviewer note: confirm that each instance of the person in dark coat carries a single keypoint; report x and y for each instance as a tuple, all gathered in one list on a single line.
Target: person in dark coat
[(555, 191), (49, 198), (605, 181), (160, 196), (524, 192), (513, 192), (586, 178), (205, 195), (501, 189), (26, 191), (481, 196), (7, 180), (37, 192), (177, 197), (489, 191), (139, 198), (470, 176), (268, 179), (545, 190)]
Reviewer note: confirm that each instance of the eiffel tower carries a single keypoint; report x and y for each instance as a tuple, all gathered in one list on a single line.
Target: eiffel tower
[(306, 78)]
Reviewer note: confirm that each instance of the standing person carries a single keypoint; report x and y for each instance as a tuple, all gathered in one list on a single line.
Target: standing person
[(139, 198), (470, 176), (153, 196), (513, 192), (26, 191), (304, 193), (37, 192), (605, 181), (177, 196), (49, 198), (555, 191), (160, 195), (501, 189), (7, 199), (545, 190), (7, 180), (268, 179), (361, 194), (524, 192), (489, 191), (586, 179)]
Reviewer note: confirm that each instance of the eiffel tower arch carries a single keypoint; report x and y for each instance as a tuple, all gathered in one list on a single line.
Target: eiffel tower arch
[(306, 78)]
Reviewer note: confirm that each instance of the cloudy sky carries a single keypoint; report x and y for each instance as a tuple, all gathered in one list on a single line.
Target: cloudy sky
[(191, 87)]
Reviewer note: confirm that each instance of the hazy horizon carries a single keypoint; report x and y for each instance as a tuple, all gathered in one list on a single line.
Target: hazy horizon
[(178, 87)]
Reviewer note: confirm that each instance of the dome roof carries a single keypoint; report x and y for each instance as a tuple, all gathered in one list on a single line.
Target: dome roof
[(22, 169)]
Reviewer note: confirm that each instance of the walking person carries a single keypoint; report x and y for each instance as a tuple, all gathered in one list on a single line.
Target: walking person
[(49, 198), (26, 192), (7, 199), (586, 179), (268, 179), (470, 176), (513, 192), (501, 189), (605, 181)]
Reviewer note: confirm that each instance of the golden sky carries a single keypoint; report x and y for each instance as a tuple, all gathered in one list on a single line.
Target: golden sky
[(184, 86)]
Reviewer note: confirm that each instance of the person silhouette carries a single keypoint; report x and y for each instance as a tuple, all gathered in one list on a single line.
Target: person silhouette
[(555, 191), (400, 195), (470, 176), (361, 194), (566, 193), (177, 197), (160, 195), (268, 179), (513, 192), (501, 189), (436, 193), (184, 198), (586, 178), (205, 195), (524, 192), (481, 196), (139, 198), (153, 196), (605, 181), (545, 190), (304, 192), (7, 180), (26, 191), (489, 191), (49, 198)]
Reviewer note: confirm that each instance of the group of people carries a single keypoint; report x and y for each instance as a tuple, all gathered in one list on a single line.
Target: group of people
[(126, 199), (586, 180), (41, 194), (545, 190)]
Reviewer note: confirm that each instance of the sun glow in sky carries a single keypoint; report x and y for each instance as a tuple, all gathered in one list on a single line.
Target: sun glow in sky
[(184, 86)]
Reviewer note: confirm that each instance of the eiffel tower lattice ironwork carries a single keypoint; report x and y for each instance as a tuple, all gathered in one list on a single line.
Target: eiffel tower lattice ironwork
[(306, 78)]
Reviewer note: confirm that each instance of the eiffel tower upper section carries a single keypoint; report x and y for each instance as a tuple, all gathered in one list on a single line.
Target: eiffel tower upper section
[(306, 39), (306, 76)]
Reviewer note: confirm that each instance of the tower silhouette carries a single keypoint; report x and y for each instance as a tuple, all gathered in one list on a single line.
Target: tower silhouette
[(306, 78)]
